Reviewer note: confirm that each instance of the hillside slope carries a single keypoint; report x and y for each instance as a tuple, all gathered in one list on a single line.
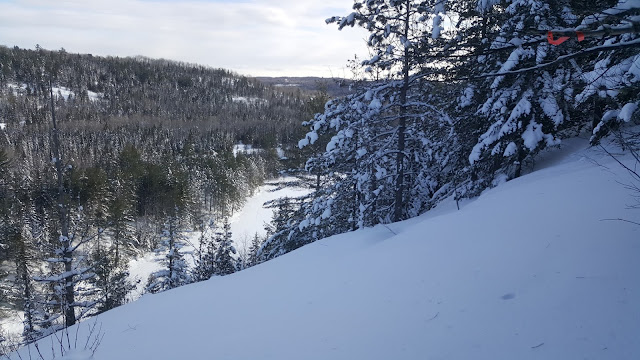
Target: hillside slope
[(530, 270)]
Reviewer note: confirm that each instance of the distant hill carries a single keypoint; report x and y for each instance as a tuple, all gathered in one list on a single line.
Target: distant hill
[(99, 89), (336, 87)]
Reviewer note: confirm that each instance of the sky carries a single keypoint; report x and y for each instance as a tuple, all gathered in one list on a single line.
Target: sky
[(251, 37)]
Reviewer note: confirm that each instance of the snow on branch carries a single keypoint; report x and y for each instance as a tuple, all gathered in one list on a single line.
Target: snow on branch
[(560, 59)]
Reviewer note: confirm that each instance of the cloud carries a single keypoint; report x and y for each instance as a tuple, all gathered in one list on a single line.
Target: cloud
[(253, 37)]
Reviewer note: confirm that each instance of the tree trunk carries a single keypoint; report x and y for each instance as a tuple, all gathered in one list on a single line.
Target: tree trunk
[(22, 269), (402, 123), (65, 241)]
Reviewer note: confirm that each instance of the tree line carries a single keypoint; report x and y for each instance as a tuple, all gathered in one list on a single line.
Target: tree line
[(460, 96), (104, 159)]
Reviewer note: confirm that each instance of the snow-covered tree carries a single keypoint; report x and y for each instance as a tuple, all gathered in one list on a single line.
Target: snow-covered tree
[(363, 158), (175, 270), (120, 220), (205, 257), (22, 230), (69, 269), (111, 283), (390, 149), (398, 29), (224, 251), (514, 116), (522, 94), (609, 83), (254, 248)]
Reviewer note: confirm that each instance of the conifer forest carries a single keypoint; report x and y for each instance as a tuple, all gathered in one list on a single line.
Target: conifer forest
[(104, 159)]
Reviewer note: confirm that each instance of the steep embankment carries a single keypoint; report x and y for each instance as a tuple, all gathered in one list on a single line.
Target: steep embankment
[(530, 270)]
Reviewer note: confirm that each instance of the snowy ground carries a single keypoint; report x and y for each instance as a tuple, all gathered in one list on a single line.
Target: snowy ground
[(57, 91), (247, 222), (530, 270), (253, 217)]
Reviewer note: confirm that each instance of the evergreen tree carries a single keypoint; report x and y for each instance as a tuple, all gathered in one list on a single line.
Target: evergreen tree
[(175, 271), (398, 29), (120, 220), (254, 248), (205, 264), (111, 283), (526, 94), (22, 231), (224, 261)]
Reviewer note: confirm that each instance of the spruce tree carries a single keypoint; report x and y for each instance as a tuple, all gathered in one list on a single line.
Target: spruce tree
[(205, 264), (224, 261), (175, 270)]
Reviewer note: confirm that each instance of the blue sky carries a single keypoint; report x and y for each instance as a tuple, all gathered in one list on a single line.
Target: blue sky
[(252, 37)]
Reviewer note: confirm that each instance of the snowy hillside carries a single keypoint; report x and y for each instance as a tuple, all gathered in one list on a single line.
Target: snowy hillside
[(530, 270)]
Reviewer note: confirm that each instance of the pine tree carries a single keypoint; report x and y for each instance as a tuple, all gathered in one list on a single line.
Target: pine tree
[(254, 248), (23, 231), (398, 29), (120, 220), (546, 92), (205, 261), (111, 283), (523, 112), (175, 270), (224, 261), (65, 250), (608, 84)]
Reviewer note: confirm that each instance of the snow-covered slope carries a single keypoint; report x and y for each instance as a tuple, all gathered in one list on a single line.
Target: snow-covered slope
[(530, 270)]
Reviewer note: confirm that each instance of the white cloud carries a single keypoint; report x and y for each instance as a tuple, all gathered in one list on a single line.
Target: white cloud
[(253, 37)]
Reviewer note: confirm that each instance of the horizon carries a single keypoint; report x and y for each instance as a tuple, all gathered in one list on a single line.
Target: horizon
[(179, 61), (255, 38)]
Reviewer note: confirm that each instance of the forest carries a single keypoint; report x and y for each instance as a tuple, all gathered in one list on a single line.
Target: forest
[(458, 97), (104, 159)]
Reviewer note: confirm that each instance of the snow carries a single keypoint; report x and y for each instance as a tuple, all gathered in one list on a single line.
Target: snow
[(532, 135), (94, 96), (12, 325), (249, 100), (511, 149), (287, 85), (530, 270), (77, 355), (139, 271), (251, 219), (58, 91), (627, 111), (607, 85), (439, 8), (484, 5), (634, 70), (245, 149), (513, 60), (467, 97), (62, 91), (312, 136)]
